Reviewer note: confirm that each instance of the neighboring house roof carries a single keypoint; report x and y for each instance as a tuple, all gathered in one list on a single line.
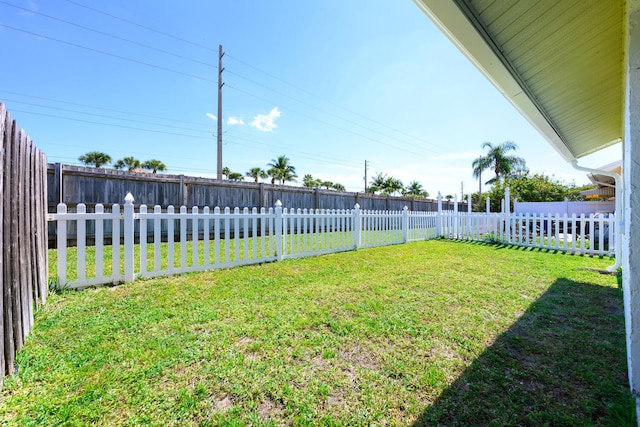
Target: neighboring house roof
[(601, 181), (605, 185), (561, 63)]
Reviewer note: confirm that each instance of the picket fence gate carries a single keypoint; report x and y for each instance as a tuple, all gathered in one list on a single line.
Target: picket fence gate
[(173, 242)]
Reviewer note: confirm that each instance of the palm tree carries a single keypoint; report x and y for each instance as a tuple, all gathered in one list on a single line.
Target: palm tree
[(154, 165), (327, 184), (479, 165), (285, 171), (95, 158), (256, 173), (415, 189), (274, 174), (377, 182), (392, 185), (338, 187), (226, 171), (235, 176), (130, 163), (448, 197), (498, 159), (308, 181)]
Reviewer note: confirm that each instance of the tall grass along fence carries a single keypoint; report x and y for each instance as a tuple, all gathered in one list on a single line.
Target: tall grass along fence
[(23, 237), (203, 239)]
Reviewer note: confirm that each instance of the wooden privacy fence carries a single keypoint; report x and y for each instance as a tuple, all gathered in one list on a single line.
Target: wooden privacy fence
[(74, 185), (23, 237), (216, 238)]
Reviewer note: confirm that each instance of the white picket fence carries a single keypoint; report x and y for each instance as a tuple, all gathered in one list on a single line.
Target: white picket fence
[(205, 239), (589, 235)]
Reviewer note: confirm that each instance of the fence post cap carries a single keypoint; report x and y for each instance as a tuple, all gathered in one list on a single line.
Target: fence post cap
[(128, 198), (278, 204), (405, 208), (357, 206)]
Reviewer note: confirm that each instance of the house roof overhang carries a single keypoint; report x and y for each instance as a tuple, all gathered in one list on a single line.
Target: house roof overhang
[(561, 64)]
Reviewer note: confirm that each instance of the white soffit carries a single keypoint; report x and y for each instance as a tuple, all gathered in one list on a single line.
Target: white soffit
[(560, 63)]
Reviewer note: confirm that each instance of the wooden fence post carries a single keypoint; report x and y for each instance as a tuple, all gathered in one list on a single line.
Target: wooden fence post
[(263, 195), (278, 230), (128, 238)]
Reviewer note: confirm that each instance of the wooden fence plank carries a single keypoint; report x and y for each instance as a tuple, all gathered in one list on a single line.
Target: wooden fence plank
[(41, 197), (14, 241), (4, 128), (9, 345), (33, 226), (9, 342), (23, 237)]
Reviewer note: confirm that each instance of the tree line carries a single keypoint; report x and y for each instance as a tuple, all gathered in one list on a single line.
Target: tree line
[(278, 170), (511, 172), (99, 159), (388, 185)]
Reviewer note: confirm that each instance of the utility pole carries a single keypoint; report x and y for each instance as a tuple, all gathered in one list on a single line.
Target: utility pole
[(461, 190), (366, 179), (220, 84)]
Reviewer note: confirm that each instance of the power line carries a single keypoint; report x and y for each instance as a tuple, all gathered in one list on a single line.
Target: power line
[(110, 124), (109, 35), (101, 108), (260, 145), (231, 72), (106, 53), (313, 156), (328, 123), (105, 116), (141, 26), (212, 81), (327, 100), (330, 113)]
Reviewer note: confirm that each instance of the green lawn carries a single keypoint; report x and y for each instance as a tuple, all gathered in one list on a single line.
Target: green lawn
[(426, 333)]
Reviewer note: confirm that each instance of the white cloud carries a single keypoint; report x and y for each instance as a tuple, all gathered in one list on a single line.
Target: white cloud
[(212, 117), (266, 123), (235, 121)]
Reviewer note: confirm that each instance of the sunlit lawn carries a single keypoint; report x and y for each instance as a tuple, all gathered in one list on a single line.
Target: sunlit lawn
[(428, 333)]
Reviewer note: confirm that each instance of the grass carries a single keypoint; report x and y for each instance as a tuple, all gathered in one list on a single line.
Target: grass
[(427, 333), (247, 251)]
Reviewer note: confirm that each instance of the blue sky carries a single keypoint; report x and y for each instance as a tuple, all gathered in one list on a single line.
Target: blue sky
[(328, 83)]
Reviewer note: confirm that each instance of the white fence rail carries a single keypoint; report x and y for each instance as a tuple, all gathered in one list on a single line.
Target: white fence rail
[(204, 239)]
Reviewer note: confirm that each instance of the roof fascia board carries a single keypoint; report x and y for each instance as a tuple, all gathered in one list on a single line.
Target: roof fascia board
[(455, 24)]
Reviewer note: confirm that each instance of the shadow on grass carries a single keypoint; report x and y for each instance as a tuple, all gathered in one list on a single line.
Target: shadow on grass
[(563, 363), (501, 246)]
